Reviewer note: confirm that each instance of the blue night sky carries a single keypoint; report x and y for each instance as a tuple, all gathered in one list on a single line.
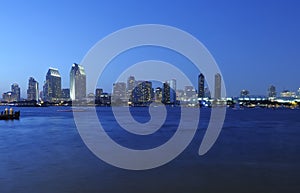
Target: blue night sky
[(255, 43)]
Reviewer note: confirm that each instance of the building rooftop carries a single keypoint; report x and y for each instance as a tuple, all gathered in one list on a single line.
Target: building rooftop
[(53, 72), (77, 67)]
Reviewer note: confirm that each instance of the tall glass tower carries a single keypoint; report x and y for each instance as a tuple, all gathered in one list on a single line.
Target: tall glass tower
[(166, 93), (131, 83), (77, 82), (52, 86), (169, 92), (172, 84), (33, 89), (218, 80), (272, 91), (201, 90), (119, 91), (16, 89)]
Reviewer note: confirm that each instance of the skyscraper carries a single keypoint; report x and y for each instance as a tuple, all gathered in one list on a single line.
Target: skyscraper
[(207, 92), (142, 93), (52, 86), (217, 86), (169, 92), (201, 90), (272, 91), (16, 89), (77, 82), (158, 95), (172, 84), (130, 86), (65, 94), (166, 93), (33, 89), (119, 92), (98, 93)]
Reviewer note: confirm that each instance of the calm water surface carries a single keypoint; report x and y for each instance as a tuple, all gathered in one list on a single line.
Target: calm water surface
[(258, 151)]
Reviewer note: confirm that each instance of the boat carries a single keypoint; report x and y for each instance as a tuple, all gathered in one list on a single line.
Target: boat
[(10, 116)]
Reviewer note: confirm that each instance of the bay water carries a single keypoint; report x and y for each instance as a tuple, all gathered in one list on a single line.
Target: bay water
[(258, 150)]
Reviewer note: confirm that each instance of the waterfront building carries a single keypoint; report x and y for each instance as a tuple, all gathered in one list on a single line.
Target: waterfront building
[(158, 95), (131, 83), (142, 93), (218, 80), (33, 90), (52, 86), (16, 89), (201, 90), (90, 97), (166, 93), (190, 97), (103, 100), (119, 92), (172, 84), (287, 93), (98, 93), (65, 94), (41, 94), (77, 82), (169, 92), (190, 92), (9, 97), (207, 92), (272, 92), (244, 93), (180, 95), (298, 93)]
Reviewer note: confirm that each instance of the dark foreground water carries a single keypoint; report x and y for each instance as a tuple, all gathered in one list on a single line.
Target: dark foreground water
[(258, 151)]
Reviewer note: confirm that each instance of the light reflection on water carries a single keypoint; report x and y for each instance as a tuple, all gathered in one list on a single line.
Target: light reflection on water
[(257, 151)]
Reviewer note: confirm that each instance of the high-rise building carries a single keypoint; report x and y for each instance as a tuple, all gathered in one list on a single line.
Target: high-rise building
[(77, 82), (142, 93), (9, 96), (33, 89), (52, 86), (218, 81), (158, 95), (166, 93), (103, 100), (272, 91), (190, 92), (98, 93), (172, 84), (201, 90), (130, 86), (207, 92), (119, 92), (169, 92), (181, 95), (16, 89), (65, 94)]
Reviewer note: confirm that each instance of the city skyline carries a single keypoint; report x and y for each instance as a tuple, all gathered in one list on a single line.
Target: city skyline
[(142, 93), (77, 72)]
